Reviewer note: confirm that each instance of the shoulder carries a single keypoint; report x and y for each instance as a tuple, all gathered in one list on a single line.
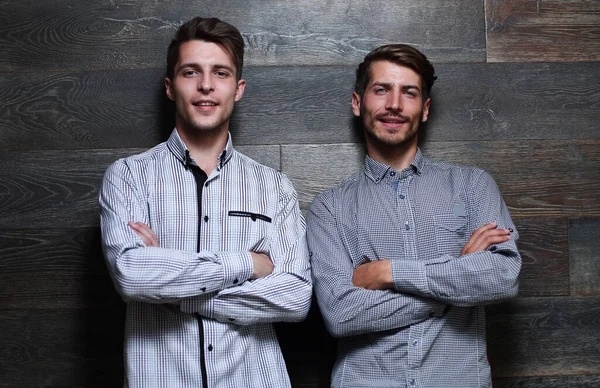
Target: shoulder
[(468, 174), (265, 176), (140, 160), (339, 196)]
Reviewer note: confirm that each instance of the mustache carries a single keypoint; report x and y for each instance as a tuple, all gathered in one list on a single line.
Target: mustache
[(393, 116)]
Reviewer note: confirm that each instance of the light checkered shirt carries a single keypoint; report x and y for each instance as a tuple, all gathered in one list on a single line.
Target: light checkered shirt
[(430, 330), (224, 322)]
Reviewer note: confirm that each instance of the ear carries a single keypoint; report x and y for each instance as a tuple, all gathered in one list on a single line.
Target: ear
[(169, 89), (426, 109), (239, 92), (356, 104)]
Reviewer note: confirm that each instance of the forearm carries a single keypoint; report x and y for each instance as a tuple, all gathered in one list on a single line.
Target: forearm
[(158, 275), (279, 297), (474, 279), (349, 310)]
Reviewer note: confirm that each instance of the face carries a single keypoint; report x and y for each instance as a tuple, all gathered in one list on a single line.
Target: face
[(204, 88), (392, 106)]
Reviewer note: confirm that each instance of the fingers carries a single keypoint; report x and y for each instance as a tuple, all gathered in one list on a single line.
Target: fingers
[(145, 233), (484, 237), (262, 265), (374, 275)]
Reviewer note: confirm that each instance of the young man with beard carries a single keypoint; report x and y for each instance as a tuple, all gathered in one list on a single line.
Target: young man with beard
[(205, 245), (406, 253)]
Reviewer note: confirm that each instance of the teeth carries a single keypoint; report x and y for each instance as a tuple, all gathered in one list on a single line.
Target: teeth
[(205, 104)]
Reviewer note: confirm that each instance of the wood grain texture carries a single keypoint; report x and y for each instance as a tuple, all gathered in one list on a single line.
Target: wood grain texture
[(543, 245), (298, 105), (543, 31), (538, 179), (584, 256), (581, 381), (61, 348), (544, 336), (54, 269), (53, 188), (56, 35)]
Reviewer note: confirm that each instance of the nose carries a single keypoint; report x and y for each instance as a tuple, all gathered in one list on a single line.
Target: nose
[(205, 83), (394, 101)]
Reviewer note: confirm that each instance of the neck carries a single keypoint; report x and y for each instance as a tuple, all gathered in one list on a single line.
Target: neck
[(397, 157), (205, 147)]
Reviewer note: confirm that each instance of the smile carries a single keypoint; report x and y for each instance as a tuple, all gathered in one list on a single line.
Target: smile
[(204, 103)]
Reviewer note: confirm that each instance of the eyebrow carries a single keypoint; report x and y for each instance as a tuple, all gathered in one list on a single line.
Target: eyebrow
[(217, 66), (389, 85)]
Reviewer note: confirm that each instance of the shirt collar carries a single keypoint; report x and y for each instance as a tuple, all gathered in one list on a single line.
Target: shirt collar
[(180, 150), (376, 171)]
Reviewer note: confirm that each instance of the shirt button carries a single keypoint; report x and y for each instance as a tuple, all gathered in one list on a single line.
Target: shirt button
[(415, 342), (393, 173), (235, 281), (406, 226), (203, 289), (205, 218), (401, 196), (411, 381), (210, 348)]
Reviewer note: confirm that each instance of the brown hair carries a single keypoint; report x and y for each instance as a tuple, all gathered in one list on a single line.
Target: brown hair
[(402, 55), (209, 30)]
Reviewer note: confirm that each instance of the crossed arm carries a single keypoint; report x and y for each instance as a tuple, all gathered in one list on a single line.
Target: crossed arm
[(377, 275), (240, 287), (388, 294)]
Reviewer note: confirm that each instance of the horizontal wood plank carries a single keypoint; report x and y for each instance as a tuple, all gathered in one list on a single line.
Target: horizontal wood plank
[(538, 179), (50, 188), (64, 268), (584, 256), (543, 246), (54, 268), (61, 348), (578, 381), (55, 35), (543, 31), (298, 105), (58, 189), (544, 336)]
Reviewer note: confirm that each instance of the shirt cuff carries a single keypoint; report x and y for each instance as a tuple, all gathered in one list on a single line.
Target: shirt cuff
[(409, 276), (237, 268)]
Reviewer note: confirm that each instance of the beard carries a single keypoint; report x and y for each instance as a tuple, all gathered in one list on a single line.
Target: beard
[(393, 139)]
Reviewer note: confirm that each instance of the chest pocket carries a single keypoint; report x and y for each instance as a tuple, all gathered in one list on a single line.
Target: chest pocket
[(450, 234), (250, 230)]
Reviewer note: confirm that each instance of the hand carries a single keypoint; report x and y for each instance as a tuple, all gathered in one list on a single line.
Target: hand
[(484, 237), (145, 233), (374, 275), (262, 265)]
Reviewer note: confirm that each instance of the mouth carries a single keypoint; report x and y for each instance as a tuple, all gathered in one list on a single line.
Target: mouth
[(203, 104), (389, 120)]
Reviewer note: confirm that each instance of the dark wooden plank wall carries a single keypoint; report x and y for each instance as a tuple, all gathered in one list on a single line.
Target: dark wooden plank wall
[(81, 85)]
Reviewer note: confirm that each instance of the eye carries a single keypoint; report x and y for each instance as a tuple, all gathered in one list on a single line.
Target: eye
[(189, 73), (221, 73), (411, 93), (380, 90)]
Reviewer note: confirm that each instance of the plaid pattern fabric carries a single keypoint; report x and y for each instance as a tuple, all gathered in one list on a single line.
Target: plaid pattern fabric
[(429, 331), (222, 317)]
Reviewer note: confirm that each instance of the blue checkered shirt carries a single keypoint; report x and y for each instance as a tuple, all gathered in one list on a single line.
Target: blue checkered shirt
[(223, 323), (429, 331)]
